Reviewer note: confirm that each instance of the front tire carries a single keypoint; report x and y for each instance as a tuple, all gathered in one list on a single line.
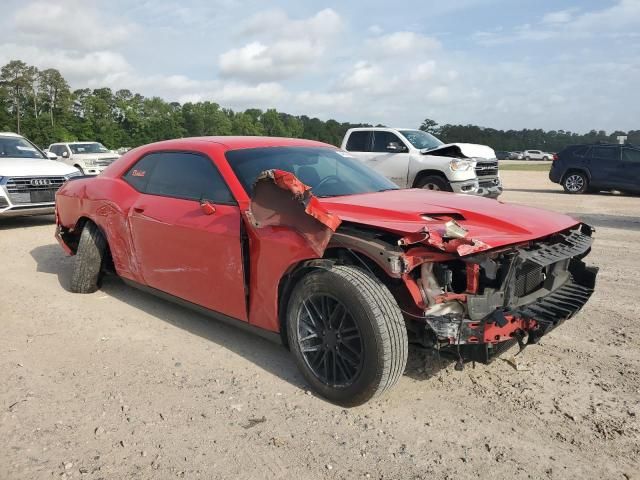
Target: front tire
[(435, 183), (575, 183), (347, 334), (87, 270)]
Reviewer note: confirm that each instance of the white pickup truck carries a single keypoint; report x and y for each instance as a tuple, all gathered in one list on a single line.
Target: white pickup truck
[(417, 159), (90, 158)]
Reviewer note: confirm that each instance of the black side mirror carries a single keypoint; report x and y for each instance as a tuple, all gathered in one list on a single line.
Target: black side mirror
[(396, 147)]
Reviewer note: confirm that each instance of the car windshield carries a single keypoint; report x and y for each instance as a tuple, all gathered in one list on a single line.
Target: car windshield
[(421, 140), (93, 147), (328, 172), (16, 147)]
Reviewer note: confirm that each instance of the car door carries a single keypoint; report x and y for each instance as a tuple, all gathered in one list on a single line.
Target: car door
[(392, 164), (182, 248), (631, 169), (604, 165)]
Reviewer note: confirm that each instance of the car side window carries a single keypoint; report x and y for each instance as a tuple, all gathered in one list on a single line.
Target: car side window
[(359, 142), (630, 155), (185, 175), (580, 151), (610, 154), (382, 139)]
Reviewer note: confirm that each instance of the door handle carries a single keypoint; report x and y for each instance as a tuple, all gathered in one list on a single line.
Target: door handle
[(138, 209)]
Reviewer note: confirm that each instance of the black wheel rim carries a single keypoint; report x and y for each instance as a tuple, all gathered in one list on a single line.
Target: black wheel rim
[(329, 340)]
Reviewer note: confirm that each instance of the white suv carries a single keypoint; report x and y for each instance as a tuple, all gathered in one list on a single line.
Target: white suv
[(536, 155), (88, 157), (29, 179)]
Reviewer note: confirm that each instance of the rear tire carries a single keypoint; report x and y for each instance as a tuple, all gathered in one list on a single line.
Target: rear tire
[(87, 270), (575, 183), (434, 182), (347, 334)]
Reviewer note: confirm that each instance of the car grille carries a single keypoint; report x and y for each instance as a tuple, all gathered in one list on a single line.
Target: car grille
[(105, 162), (486, 168), (33, 189), (530, 278)]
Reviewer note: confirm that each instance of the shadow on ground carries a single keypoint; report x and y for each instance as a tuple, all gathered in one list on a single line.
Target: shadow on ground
[(25, 222), (623, 222), (270, 356)]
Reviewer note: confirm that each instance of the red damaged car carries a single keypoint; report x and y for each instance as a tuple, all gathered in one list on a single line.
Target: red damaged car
[(302, 243)]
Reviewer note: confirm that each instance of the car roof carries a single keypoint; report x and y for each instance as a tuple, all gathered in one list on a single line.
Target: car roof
[(240, 142), (10, 134), (381, 129)]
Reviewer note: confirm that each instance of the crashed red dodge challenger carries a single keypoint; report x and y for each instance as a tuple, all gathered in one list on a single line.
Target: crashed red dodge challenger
[(298, 241)]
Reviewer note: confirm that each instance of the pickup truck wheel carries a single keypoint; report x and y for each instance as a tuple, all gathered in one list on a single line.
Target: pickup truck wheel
[(545, 158), (575, 182), (433, 182), (90, 255), (347, 334)]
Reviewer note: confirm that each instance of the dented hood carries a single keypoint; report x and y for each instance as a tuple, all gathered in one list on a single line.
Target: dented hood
[(468, 150), (406, 212)]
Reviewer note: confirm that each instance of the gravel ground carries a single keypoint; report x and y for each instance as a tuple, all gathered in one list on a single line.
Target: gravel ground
[(120, 384)]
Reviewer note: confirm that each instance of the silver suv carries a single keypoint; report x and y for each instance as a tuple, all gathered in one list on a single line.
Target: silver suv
[(90, 158)]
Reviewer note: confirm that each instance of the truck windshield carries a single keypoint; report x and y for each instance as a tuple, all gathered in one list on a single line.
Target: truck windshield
[(93, 147), (16, 147), (421, 140), (328, 172)]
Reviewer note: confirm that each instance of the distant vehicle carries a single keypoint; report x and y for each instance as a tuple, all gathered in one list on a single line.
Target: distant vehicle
[(28, 178), (417, 159), (88, 157), (594, 167), (502, 155), (515, 156), (536, 155)]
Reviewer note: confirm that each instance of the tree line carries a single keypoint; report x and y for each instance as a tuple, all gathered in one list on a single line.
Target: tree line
[(41, 105)]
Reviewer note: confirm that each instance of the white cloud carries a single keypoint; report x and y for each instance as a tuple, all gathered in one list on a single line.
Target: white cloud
[(75, 66), (258, 62), (403, 43), (69, 24), (284, 47), (618, 20), (276, 24), (561, 16)]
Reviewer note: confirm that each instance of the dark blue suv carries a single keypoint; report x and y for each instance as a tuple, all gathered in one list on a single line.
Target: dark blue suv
[(595, 167)]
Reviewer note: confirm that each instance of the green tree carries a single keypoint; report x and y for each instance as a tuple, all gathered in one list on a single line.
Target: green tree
[(14, 77)]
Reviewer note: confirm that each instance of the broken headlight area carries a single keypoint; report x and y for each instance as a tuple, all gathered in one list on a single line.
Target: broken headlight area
[(478, 306)]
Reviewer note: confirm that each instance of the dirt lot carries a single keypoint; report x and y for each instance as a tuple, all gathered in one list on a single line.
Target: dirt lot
[(120, 384)]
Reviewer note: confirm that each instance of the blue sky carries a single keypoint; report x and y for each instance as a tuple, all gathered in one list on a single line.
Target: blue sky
[(552, 64)]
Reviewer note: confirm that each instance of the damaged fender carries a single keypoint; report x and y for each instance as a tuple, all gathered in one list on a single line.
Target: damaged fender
[(280, 199)]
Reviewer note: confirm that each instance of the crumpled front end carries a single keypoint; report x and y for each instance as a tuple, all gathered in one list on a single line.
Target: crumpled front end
[(480, 305)]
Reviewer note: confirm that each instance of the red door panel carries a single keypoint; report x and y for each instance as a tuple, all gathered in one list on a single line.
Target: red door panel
[(194, 256)]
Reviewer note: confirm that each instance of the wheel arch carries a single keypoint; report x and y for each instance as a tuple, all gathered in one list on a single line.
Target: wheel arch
[(72, 236), (428, 173), (332, 256)]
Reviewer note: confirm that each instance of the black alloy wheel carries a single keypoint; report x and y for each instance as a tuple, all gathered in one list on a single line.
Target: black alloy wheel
[(329, 340)]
